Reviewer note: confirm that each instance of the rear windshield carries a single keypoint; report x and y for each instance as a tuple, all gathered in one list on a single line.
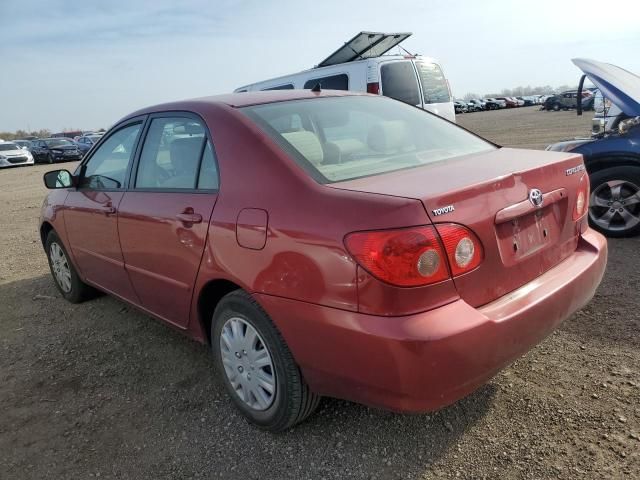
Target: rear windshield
[(434, 85), (399, 81), (342, 138)]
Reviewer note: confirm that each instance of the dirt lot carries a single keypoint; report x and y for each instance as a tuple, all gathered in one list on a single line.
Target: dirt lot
[(100, 390)]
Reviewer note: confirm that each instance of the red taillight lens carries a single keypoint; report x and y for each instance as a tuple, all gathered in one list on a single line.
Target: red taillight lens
[(582, 199), (464, 250), (407, 257), (373, 88)]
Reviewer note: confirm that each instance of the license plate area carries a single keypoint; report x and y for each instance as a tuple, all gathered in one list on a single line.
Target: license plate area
[(527, 235)]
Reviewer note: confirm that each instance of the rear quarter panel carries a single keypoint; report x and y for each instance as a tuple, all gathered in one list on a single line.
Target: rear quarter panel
[(304, 257)]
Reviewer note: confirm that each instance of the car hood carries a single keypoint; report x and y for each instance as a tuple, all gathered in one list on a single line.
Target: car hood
[(617, 84)]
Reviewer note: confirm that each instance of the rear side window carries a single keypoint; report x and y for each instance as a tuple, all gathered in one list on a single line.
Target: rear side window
[(288, 86), (171, 156), (208, 177), (334, 82), (434, 84), (399, 81)]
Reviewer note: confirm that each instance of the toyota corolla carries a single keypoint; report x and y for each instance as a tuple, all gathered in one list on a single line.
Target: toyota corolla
[(327, 243)]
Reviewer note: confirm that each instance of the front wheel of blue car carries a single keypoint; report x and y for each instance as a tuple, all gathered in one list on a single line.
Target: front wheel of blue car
[(614, 204)]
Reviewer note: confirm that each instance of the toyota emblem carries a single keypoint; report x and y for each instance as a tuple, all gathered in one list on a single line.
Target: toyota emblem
[(535, 197)]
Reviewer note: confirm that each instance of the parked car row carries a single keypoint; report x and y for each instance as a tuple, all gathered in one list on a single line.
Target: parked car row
[(46, 150), (491, 103)]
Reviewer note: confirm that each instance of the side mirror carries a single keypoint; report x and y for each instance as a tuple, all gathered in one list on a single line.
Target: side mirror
[(58, 179)]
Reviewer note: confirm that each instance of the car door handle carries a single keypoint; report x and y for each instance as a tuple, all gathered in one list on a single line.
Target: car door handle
[(189, 217), (110, 210)]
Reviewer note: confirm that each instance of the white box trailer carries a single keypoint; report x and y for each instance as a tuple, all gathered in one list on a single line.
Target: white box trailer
[(360, 65)]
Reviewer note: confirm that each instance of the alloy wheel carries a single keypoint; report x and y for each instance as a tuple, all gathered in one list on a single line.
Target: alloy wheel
[(615, 205), (60, 267), (248, 364)]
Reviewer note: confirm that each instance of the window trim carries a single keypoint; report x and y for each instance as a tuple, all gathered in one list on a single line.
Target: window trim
[(80, 170), (143, 136)]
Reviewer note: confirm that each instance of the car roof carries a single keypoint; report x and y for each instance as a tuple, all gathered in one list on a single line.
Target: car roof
[(244, 99)]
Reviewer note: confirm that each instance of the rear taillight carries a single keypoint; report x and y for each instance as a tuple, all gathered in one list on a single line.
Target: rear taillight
[(582, 199), (407, 257), (464, 250), (373, 88), (411, 257)]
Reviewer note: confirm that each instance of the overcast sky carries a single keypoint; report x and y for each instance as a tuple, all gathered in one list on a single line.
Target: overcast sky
[(68, 63)]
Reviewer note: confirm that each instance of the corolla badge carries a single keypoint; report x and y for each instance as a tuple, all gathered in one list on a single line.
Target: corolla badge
[(535, 197)]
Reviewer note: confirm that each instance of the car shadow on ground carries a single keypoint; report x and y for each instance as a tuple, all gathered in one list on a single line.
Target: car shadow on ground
[(101, 388), (612, 317)]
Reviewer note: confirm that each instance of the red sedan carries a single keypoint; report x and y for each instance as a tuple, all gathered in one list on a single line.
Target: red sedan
[(327, 243)]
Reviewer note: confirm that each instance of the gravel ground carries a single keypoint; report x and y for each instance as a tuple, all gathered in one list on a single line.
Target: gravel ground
[(101, 390)]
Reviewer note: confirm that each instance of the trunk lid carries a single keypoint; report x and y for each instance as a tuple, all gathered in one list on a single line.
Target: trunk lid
[(489, 193)]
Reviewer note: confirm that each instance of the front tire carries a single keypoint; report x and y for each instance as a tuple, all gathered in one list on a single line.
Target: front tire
[(64, 273), (614, 204), (256, 366), (50, 159)]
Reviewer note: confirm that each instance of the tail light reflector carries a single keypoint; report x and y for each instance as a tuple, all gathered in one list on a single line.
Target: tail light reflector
[(463, 248), (373, 88), (582, 199), (406, 257)]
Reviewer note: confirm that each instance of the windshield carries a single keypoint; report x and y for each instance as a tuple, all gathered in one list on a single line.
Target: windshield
[(57, 142), (343, 138), (8, 146), (434, 85)]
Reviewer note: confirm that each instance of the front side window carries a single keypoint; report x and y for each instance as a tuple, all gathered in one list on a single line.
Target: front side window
[(107, 167), (434, 85), (343, 138), (399, 81), (171, 154), (334, 82)]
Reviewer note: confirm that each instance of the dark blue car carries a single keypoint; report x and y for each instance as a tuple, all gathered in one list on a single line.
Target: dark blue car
[(86, 142), (612, 159)]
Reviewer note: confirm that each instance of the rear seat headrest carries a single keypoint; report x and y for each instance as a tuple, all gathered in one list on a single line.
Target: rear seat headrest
[(308, 144)]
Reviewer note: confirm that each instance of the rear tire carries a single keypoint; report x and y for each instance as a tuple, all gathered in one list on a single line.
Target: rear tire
[(614, 203), (50, 159), (265, 355), (63, 271)]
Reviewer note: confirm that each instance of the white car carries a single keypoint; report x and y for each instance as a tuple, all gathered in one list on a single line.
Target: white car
[(361, 65), (11, 155)]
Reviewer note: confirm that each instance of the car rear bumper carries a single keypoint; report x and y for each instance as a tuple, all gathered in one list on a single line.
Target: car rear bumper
[(429, 360)]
